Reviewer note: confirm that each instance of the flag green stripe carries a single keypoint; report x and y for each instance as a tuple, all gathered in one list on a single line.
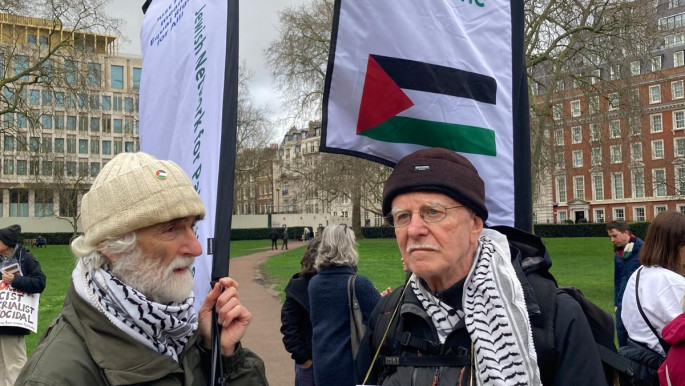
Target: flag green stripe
[(461, 138)]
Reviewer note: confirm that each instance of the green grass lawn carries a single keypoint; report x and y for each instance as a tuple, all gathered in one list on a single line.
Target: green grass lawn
[(586, 263)]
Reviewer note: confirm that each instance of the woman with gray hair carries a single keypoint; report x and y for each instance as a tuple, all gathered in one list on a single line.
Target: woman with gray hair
[(329, 310)]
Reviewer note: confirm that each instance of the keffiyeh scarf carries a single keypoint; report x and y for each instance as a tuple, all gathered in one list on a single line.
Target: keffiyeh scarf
[(165, 328), (444, 317), (497, 317)]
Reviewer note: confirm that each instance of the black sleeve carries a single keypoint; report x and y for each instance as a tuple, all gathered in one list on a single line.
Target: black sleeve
[(33, 279), (579, 361), (292, 322)]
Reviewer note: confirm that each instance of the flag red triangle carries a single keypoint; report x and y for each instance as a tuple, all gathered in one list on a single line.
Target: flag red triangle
[(382, 98)]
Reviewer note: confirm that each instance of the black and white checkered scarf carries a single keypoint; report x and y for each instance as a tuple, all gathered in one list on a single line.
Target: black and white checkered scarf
[(165, 328), (497, 317)]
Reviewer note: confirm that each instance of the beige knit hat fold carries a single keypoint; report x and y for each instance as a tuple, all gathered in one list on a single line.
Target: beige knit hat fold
[(133, 191)]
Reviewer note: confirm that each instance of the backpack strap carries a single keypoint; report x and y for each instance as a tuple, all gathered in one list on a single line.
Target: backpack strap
[(662, 342), (356, 317)]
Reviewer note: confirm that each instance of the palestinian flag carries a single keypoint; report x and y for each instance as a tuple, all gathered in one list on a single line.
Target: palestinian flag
[(407, 74)]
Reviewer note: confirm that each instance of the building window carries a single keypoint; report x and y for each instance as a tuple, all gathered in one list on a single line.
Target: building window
[(635, 67), (658, 149), (598, 187), (619, 214), (594, 132), (654, 94), (83, 146), (560, 85), (136, 77), (117, 77), (677, 89), (575, 108), (656, 63), (94, 146), (559, 137), (614, 72), (659, 182), (559, 162), (43, 203), (678, 59), (576, 134), (579, 187), (8, 143), (634, 126), (19, 202), (593, 104), (596, 156), (107, 147), (70, 72), (94, 75), (561, 189), (655, 125), (617, 185), (577, 158), (680, 180), (658, 209), (636, 151), (615, 151), (535, 88), (639, 213), (638, 183), (679, 147), (562, 216), (615, 129), (8, 166), (599, 215), (556, 112), (613, 101), (679, 120), (59, 145), (595, 76)]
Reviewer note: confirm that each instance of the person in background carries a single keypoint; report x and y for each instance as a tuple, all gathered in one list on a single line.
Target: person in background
[(672, 371), (329, 310), (661, 282), (626, 261), (285, 238), (31, 280), (295, 324), (273, 235), (128, 316)]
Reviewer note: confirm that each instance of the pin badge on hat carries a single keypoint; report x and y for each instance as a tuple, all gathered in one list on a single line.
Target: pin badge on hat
[(161, 174)]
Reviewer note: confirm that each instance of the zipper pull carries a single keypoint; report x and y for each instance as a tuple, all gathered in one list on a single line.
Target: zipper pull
[(436, 377)]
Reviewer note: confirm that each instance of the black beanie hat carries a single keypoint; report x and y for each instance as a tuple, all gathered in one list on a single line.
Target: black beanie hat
[(10, 235), (437, 170)]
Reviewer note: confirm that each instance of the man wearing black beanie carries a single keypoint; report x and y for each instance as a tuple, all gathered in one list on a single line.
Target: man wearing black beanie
[(462, 317), (28, 278)]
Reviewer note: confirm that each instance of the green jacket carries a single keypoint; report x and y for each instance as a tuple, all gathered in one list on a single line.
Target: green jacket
[(82, 347)]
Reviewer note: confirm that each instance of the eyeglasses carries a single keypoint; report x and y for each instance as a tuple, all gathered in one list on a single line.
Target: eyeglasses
[(428, 213)]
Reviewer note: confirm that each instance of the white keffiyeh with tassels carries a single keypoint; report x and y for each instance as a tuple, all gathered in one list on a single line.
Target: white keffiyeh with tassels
[(165, 328), (497, 317)]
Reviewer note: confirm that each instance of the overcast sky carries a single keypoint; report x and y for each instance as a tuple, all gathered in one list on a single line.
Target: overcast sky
[(258, 27)]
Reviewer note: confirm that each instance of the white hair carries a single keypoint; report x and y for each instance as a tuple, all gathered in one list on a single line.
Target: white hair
[(338, 247), (124, 245)]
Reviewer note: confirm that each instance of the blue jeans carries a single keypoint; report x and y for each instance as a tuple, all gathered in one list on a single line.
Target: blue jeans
[(304, 377)]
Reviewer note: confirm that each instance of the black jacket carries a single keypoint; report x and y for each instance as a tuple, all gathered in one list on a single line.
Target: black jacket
[(32, 281), (295, 324)]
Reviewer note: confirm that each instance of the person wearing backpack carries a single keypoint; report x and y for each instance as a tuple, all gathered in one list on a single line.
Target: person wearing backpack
[(336, 263), (672, 371), (626, 261), (465, 314)]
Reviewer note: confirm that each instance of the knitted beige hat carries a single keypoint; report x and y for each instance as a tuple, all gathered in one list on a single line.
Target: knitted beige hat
[(133, 191)]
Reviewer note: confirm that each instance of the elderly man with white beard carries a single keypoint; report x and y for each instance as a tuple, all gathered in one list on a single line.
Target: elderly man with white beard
[(128, 317)]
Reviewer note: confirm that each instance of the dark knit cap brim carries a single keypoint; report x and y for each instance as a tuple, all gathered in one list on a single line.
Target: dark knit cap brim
[(10, 235), (437, 170)]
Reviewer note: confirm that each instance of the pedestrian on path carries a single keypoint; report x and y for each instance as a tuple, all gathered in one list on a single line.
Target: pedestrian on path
[(285, 238), (274, 239), (295, 324)]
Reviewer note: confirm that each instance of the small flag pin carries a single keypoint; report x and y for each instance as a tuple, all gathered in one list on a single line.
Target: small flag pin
[(161, 174)]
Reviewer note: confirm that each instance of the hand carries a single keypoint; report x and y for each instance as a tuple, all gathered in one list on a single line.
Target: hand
[(386, 291), (8, 278), (306, 364), (233, 317)]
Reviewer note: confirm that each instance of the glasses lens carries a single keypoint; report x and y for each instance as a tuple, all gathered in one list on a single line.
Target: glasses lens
[(433, 213), (390, 219)]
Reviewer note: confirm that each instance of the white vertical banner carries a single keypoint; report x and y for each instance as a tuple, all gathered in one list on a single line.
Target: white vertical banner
[(181, 91)]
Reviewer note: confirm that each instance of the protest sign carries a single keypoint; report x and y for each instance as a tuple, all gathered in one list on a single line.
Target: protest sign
[(17, 308)]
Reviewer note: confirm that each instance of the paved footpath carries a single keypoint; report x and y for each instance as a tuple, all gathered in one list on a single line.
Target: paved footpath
[(263, 335)]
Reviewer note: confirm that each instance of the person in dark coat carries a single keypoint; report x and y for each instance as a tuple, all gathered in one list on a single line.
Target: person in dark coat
[(30, 280), (626, 261), (295, 324), (285, 239), (273, 235), (329, 310)]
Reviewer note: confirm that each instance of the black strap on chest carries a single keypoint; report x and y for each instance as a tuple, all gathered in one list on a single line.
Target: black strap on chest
[(426, 361)]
